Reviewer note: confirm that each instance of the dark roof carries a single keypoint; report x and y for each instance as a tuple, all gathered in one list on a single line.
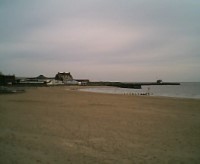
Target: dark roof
[(41, 77)]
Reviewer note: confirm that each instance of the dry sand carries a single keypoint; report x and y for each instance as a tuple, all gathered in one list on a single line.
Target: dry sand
[(54, 125)]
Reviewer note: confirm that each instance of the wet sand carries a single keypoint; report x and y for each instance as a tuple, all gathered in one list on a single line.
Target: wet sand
[(54, 125)]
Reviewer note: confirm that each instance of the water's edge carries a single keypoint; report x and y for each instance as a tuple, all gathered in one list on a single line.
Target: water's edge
[(185, 90)]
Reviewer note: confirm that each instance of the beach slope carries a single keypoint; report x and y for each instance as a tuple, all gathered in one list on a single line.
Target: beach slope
[(55, 125)]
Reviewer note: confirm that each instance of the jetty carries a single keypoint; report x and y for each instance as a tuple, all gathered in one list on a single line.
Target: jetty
[(134, 85)]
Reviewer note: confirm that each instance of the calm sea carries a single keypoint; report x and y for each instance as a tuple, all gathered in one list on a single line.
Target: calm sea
[(185, 90)]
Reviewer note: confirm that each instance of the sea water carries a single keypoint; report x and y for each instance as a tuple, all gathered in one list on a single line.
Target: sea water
[(185, 90)]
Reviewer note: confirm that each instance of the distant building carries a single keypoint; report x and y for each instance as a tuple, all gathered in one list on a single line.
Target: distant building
[(54, 82), (83, 81), (7, 79), (65, 77), (39, 80), (42, 77), (159, 81)]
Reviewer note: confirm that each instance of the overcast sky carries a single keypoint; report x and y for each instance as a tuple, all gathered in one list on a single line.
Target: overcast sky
[(117, 40)]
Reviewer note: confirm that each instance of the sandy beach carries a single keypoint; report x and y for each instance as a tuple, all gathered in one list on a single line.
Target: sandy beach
[(62, 125)]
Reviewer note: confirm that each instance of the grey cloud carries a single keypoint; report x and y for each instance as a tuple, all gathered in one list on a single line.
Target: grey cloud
[(97, 35)]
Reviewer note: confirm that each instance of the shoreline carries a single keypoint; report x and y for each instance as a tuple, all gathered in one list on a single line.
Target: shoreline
[(130, 92)]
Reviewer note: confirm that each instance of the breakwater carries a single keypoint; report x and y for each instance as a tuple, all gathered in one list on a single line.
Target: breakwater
[(136, 85)]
